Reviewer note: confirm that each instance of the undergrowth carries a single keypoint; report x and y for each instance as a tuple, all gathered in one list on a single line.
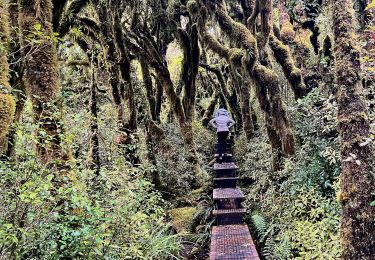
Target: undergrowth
[(294, 213)]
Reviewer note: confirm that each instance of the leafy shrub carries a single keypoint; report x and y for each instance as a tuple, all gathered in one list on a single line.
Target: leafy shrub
[(294, 212)]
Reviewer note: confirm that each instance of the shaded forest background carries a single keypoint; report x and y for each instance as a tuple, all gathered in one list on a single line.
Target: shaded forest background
[(104, 138)]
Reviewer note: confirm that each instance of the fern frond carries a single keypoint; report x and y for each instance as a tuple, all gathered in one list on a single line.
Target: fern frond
[(260, 224)]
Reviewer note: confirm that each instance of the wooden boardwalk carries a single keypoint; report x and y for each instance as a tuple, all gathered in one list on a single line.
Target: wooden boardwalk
[(230, 238)]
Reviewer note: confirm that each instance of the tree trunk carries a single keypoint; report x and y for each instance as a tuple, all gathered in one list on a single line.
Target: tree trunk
[(159, 99), (190, 65), (357, 179), (147, 82), (41, 74), (7, 102), (210, 109), (15, 75), (95, 154), (155, 177)]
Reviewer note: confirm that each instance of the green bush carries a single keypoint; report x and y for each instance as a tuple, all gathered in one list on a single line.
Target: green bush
[(294, 213)]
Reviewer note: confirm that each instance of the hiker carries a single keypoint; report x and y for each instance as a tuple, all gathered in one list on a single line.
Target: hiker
[(222, 122), (223, 110)]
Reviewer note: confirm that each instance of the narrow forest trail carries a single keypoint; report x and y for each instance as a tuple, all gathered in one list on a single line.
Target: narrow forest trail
[(230, 238)]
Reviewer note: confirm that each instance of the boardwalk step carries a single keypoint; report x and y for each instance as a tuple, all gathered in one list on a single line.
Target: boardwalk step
[(228, 198), (226, 182), (228, 193), (229, 216), (232, 242), (226, 158), (225, 155), (225, 166)]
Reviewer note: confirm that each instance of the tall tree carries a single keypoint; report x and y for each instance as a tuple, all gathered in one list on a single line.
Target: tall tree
[(41, 75), (7, 102), (357, 176)]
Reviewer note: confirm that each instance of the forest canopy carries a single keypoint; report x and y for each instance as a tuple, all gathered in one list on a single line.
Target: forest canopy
[(106, 146)]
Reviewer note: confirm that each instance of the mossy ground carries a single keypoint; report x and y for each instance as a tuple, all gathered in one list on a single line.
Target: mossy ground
[(183, 218)]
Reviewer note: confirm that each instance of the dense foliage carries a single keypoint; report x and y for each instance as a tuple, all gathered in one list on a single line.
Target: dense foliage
[(105, 147)]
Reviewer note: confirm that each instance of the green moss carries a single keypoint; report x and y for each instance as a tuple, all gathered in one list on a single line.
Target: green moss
[(183, 218), (7, 109), (192, 6), (292, 73), (235, 56)]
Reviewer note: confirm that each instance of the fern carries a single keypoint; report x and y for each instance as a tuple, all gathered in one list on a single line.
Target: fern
[(283, 249), (260, 224), (268, 249)]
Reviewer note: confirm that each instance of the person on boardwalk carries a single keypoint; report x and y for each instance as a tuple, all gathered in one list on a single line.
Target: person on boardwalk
[(222, 122)]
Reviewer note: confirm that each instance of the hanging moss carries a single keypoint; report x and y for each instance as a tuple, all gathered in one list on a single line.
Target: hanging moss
[(238, 32), (274, 107), (292, 73)]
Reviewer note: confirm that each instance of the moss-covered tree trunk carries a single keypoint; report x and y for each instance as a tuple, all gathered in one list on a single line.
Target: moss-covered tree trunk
[(357, 176), (15, 75), (41, 75), (190, 64), (7, 102)]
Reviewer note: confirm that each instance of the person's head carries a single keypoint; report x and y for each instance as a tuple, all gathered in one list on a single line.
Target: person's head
[(221, 112)]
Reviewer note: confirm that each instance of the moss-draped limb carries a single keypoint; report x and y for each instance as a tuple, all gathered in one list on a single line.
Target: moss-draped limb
[(242, 88), (357, 179), (264, 78), (293, 74), (248, 126), (264, 8), (275, 106), (247, 8), (238, 33), (7, 102), (94, 127), (155, 58), (63, 21), (230, 100), (158, 101), (16, 73)]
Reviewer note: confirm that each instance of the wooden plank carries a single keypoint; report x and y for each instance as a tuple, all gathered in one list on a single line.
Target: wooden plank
[(217, 212), (225, 166), (228, 193), (232, 242)]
